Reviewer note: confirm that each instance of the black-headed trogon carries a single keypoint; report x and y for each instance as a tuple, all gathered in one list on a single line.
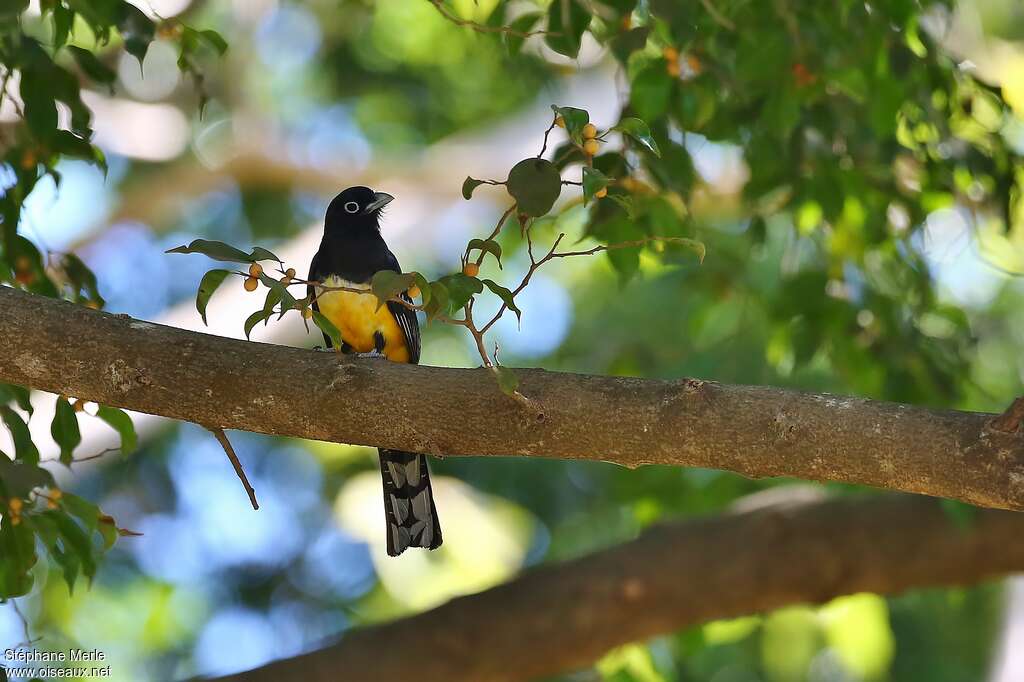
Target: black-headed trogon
[(351, 252)]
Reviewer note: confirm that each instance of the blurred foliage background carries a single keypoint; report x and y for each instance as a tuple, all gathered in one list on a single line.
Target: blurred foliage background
[(853, 169)]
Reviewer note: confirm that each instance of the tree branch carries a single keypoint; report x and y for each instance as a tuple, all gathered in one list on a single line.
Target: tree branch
[(755, 431), (563, 617)]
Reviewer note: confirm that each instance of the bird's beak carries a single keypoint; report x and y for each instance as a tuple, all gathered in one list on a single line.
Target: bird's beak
[(380, 200)]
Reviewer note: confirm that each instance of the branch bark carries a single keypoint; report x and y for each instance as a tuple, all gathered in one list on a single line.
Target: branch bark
[(755, 431), (563, 617)]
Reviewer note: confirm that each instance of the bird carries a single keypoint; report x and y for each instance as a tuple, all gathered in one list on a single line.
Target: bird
[(351, 252)]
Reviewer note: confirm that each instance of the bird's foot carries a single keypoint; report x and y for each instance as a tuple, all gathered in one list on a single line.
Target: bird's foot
[(373, 354)]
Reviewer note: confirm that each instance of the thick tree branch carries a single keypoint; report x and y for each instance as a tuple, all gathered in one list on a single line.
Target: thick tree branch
[(563, 617), (756, 431)]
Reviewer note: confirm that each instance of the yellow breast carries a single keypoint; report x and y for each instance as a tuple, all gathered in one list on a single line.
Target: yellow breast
[(358, 318)]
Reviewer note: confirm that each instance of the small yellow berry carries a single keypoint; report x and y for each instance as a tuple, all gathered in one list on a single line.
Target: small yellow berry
[(672, 68), (671, 54), (694, 63), (307, 313), (79, 405), (251, 283), (414, 291), (559, 121), (471, 269), (56, 493), (255, 270), (15, 519), (589, 131), (601, 193), (290, 272), (15, 505), (590, 147), (52, 504), (286, 280)]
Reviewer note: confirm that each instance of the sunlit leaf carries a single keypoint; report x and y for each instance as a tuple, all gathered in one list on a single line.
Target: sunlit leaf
[(505, 295), (122, 423), (567, 22), (487, 246), (639, 131)]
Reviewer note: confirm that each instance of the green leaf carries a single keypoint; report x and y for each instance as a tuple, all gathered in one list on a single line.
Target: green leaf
[(18, 479), (650, 91), (567, 22), (461, 288), (285, 299), (522, 24), (63, 18), (506, 296), (574, 120), (388, 284), (259, 253), (18, 549), (468, 186), (209, 284), (327, 327), (593, 181), (214, 40), (91, 66), (136, 29), (215, 250), (625, 44), (17, 394), (122, 423), (77, 542), (535, 184), (487, 246), (439, 300), (424, 286), (508, 382), (81, 277), (639, 131), (256, 318), (45, 525), (64, 429), (24, 448), (40, 106)]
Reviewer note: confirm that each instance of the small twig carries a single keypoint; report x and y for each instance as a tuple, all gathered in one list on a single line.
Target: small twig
[(1010, 420), (222, 438), (547, 132), (720, 18), (482, 28)]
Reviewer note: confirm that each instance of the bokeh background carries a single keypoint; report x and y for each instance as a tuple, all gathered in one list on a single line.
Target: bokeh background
[(318, 95)]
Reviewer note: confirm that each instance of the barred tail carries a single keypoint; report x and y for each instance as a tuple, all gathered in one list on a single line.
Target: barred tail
[(409, 510)]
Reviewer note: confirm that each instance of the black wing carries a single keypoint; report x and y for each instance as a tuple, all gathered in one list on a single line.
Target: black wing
[(406, 318)]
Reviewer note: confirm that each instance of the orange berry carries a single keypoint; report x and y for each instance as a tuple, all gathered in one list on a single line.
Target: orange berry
[(414, 291), (15, 504), (52, 504), (559, 121), (251, 283), (56, 493), (290, 272), (601, 193), (589, 131), (79, 405), (28, 160), (591, 147), (15, 519), (693, 62), (307, 313), (671, 54), (471, 269), (255, 270), (672, 68), (286, 280)]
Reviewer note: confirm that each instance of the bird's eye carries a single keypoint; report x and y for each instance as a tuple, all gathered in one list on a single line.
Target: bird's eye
[(351, 207)]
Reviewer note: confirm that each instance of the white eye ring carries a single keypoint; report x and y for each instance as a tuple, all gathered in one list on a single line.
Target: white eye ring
[(351, 207)]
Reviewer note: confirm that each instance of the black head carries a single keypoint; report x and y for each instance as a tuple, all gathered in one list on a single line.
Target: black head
[(356, 207)]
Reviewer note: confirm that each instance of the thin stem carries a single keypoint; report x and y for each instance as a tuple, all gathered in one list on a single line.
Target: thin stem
[(482, 28), (222, 438)]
